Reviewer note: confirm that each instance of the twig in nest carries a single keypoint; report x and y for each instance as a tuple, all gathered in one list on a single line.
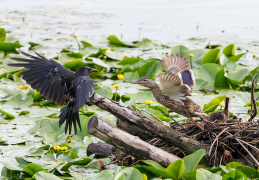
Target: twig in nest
[(171, 118), (217, 139), (253, 147), (257, 163), (253, 100), (151, 115), (242, 130)]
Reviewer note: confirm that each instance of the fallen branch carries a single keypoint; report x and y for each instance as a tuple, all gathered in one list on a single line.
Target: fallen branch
[(133, 129), (101, 149), (127, 143), (168, 134)]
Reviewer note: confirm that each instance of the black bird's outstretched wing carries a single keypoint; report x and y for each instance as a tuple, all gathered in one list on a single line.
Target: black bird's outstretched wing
[(82, 91), (46, 76)]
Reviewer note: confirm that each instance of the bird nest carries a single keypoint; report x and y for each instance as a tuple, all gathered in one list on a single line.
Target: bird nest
[(233, 140)]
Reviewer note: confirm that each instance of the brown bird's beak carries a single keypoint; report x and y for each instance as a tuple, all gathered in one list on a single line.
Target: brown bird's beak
[(135, 82), (94, 70)]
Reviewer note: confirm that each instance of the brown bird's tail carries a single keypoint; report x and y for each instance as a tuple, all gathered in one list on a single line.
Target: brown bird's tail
[(70, 117)]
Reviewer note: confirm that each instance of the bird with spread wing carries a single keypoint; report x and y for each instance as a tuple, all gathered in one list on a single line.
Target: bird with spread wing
[(175, 85), (58, 84)]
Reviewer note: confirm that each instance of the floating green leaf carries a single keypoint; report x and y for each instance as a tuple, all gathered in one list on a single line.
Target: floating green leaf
[(2, 35), (180, 50), (220, 79), (160, 173), (208, 72), (235, 175), (129, 173), (115, 41), (33, 45), (176, 168), (212, 105), (18, 102), (154, 164), (82, 161), (145, 43), (236, 58), (149, 69), (9, 47), (229, 50), (192, 160), (129, 60), (236, 74), (211, 57), (45, 176), (203, 174), (104, 91), (86, 44), (104, 175), (31, 169)]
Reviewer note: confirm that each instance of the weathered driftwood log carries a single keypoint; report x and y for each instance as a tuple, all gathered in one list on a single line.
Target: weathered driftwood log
[(101, 149), (128, 143), (133, 129), (170, 135)]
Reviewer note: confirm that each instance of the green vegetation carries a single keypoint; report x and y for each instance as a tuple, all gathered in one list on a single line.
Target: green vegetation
[(217, 71)]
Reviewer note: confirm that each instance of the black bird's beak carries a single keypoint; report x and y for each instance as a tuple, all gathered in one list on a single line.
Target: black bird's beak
[(93, 70)]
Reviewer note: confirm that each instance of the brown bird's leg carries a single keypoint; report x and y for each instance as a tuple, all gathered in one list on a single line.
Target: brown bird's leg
[(197, 124), (205, 120)]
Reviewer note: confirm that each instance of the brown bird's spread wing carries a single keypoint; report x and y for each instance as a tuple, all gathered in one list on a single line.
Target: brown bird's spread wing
[(179, 66), (171, 86), (179, 80), (46, 76)]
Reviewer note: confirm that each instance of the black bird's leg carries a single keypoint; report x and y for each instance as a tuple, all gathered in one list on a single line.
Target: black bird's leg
[(89, 103)]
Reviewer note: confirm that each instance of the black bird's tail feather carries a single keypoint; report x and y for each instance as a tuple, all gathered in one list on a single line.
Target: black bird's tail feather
[(70, 117)]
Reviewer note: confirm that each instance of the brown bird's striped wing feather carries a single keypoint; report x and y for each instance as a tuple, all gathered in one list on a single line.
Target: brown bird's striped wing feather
[(171, 86), (46, 76), (179, 80)]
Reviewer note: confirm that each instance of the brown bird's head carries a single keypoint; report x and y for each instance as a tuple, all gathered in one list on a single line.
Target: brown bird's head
[(145, 82)]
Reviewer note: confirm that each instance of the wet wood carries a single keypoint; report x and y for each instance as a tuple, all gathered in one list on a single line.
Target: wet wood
[(101, 150), (133, 129), (128, 143), (168, 134)]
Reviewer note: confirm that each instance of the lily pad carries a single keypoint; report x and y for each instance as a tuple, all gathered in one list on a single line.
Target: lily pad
[(208, 72), (2, 35), (211, 57)]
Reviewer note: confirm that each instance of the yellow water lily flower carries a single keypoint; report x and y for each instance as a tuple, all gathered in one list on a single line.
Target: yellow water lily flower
[(116, 86), (56, 147), (63, 148), (148, 102), (191, 55), (69, 139), (120, 76), (222, 104)]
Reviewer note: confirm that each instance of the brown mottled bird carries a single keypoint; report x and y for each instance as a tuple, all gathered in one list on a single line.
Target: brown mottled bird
[(175, 85), (58, 84), (220, 115)]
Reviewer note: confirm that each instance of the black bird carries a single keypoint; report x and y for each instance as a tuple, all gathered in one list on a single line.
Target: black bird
[(58, 84)]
